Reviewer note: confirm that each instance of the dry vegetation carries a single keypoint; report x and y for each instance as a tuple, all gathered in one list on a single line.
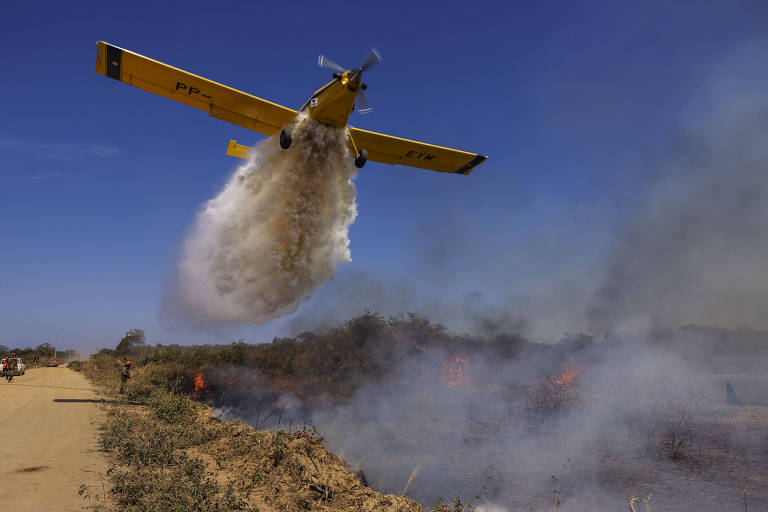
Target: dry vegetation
[(169, 450), (171, 453)]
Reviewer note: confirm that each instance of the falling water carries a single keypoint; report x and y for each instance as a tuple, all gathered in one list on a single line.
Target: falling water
[(275, 232)]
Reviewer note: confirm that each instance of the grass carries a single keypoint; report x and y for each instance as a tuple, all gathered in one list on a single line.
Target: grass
[(152, 470)]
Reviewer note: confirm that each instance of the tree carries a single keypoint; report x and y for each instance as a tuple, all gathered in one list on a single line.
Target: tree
[(133, 341), (46, 349)]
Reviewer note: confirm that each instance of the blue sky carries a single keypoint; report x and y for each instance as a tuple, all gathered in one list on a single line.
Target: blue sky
[(100, 182)]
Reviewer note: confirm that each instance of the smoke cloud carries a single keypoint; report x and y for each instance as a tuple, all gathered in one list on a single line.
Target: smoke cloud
[(276, 231), (696, 251)]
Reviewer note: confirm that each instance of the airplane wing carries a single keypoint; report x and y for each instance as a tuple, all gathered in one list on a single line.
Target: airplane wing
[(394, 150), (218, 100)]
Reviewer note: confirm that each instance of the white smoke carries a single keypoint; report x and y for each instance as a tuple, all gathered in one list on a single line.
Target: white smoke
[(276, 231)]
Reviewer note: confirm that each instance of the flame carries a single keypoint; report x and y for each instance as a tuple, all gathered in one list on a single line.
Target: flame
[(452, 371), (199, 383), (552, 394), (570, 373)]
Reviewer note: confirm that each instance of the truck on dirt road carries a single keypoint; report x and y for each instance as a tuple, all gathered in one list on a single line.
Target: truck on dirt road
[(21, 368)]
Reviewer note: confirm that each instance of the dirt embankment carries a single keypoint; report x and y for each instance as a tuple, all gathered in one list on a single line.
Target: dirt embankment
[(48, 431)]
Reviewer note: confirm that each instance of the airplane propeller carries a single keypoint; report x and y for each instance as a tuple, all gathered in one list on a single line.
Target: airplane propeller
[(325, 62), (374, 57), (362, 103)]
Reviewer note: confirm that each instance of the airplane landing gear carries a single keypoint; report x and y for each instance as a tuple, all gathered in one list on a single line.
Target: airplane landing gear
[(285, 139), (362, 157)]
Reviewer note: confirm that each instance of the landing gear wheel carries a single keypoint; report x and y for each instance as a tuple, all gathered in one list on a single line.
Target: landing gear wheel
[(285, 139), (362, 157)]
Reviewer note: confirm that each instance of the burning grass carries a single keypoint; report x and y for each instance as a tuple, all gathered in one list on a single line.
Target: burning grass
[(453, 371), (552, 395)]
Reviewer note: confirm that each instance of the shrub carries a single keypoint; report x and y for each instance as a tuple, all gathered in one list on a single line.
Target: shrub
[(171, 407), (140, 392), (76, 365), (136, 442)]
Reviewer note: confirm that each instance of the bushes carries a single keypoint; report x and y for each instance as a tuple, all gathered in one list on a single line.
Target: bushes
[(170, 454), (150, 387), (136, 442), (76, 365), (140, 392), (549, 396), (670, 430), (170, 406), (332, 364), (187, 488)]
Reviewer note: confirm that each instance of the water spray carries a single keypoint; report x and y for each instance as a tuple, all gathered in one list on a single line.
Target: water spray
[(275, 232)]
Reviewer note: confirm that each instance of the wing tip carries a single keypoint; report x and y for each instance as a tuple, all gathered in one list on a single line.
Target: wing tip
[(111, 65), (472, 164)]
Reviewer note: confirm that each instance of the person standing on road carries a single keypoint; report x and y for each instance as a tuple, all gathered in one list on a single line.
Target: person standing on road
[(125, 374), (10, 369)]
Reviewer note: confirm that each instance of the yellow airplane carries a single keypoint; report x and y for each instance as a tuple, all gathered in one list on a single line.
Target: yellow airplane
[(330, 105)]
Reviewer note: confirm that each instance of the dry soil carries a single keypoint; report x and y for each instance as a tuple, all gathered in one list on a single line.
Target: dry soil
[(48, 433)]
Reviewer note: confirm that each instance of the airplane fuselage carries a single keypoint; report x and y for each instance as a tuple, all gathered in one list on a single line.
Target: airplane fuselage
[(334, 102)]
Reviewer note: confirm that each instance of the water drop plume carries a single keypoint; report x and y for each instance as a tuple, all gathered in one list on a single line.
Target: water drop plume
[(275, 232)]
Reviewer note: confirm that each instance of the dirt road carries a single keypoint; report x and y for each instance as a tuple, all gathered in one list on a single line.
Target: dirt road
[(48, 431)]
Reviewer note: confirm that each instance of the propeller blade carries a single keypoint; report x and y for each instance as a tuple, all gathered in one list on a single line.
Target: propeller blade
[(325, 62), (363, 106), (374, 57)]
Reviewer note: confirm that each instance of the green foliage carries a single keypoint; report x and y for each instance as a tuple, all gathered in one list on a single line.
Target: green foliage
[(136, 442), (331, 364), (45, 350), (140, 392), (171, 407), (187, 487), (154, 473)]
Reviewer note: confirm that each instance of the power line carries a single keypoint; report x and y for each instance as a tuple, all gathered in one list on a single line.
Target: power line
[(8, 294)]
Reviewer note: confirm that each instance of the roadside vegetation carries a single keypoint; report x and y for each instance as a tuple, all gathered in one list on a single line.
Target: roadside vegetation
[(170, 452), (329, 365)]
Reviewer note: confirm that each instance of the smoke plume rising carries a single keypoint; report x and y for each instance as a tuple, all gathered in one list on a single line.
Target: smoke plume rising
[(276, 231), (696, 251)]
